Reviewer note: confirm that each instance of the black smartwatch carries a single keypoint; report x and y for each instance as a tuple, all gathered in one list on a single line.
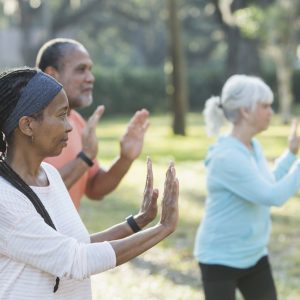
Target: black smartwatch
[(84, 157), (133, 224)]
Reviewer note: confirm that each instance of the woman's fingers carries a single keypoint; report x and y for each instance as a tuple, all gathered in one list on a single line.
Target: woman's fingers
[(294, 127), (153, 200), (94, 118), (168, 179), (149, 178), (169, 216), (293, 139)]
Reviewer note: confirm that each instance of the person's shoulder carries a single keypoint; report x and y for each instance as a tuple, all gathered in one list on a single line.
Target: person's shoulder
[(11, 198), (6, 186), (50, 169), (53, 175), (226, 146), (227, 153)]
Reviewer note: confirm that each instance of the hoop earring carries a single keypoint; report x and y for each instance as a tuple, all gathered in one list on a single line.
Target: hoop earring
[(32, 139)]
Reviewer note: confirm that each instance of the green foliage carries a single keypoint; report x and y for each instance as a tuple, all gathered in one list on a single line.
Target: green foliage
[(275, 24), (270, 78), (127, 90), (296, 85), (250, 19), (203, 83)]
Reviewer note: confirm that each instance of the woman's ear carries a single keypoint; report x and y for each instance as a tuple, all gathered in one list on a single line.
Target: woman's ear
[(25, 125), (244, 112)]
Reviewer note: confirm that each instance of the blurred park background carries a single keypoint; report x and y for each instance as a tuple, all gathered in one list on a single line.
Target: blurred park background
[(169, 56)]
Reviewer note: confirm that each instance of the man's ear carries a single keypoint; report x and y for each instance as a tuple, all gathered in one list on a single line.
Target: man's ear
[(52, 72), (25, 125)]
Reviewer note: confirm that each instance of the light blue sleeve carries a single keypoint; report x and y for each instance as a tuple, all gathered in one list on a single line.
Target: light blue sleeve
[(283, 164), (237, 172)]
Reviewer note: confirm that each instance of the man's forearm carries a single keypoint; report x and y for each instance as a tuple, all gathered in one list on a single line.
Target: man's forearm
[(105, 182), (72, 171)]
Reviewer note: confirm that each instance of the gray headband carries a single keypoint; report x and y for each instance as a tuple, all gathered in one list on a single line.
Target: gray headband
[(36, 95)]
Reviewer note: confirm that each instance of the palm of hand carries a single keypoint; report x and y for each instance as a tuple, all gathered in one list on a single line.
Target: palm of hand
[(294, 144), (149, 205), (133, 139), (169, 215), (294, 140), (89, 142), (132, 142), (89, 138)]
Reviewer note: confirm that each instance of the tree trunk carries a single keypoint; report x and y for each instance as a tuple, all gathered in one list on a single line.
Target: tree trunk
[(283, 46), (178, 90), (242, 52), (284, 73), (26, 34)]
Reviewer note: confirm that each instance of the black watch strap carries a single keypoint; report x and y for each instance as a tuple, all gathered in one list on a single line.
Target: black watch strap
[(133, 224), (86, 159)]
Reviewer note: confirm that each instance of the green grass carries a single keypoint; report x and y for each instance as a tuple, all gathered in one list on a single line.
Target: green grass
[(169, 271)]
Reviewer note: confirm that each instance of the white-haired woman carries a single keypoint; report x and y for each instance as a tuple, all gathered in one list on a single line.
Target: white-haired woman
[(231, 242)]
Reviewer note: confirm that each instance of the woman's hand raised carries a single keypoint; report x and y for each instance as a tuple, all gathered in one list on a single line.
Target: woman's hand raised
[(135, 244), (294, 140), (169, 214), (148, 210)]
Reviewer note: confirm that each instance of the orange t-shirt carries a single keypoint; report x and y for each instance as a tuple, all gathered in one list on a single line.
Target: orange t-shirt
[(70, 152)]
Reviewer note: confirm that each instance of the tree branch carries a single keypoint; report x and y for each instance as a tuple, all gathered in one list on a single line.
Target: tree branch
[(130, 15), (63, 20)]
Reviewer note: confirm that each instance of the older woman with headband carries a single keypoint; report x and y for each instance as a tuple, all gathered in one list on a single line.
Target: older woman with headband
[(231, 243), (45, 250)]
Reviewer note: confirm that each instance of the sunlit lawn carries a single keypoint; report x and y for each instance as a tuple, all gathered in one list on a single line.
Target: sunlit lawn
[(169, 271)]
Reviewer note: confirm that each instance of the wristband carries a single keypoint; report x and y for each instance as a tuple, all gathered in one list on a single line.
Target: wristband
[(84, 157), (133, 224)]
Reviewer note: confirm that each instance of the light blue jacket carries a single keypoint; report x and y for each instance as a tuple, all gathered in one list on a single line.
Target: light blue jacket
[(241, 188)]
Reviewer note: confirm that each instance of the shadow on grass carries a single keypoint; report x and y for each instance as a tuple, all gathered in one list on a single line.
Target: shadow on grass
[(177, 277)]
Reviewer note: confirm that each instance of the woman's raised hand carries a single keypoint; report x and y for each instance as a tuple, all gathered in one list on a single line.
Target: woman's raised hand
[(293, 139), (137, 243), (169, 214), (148, 210)]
